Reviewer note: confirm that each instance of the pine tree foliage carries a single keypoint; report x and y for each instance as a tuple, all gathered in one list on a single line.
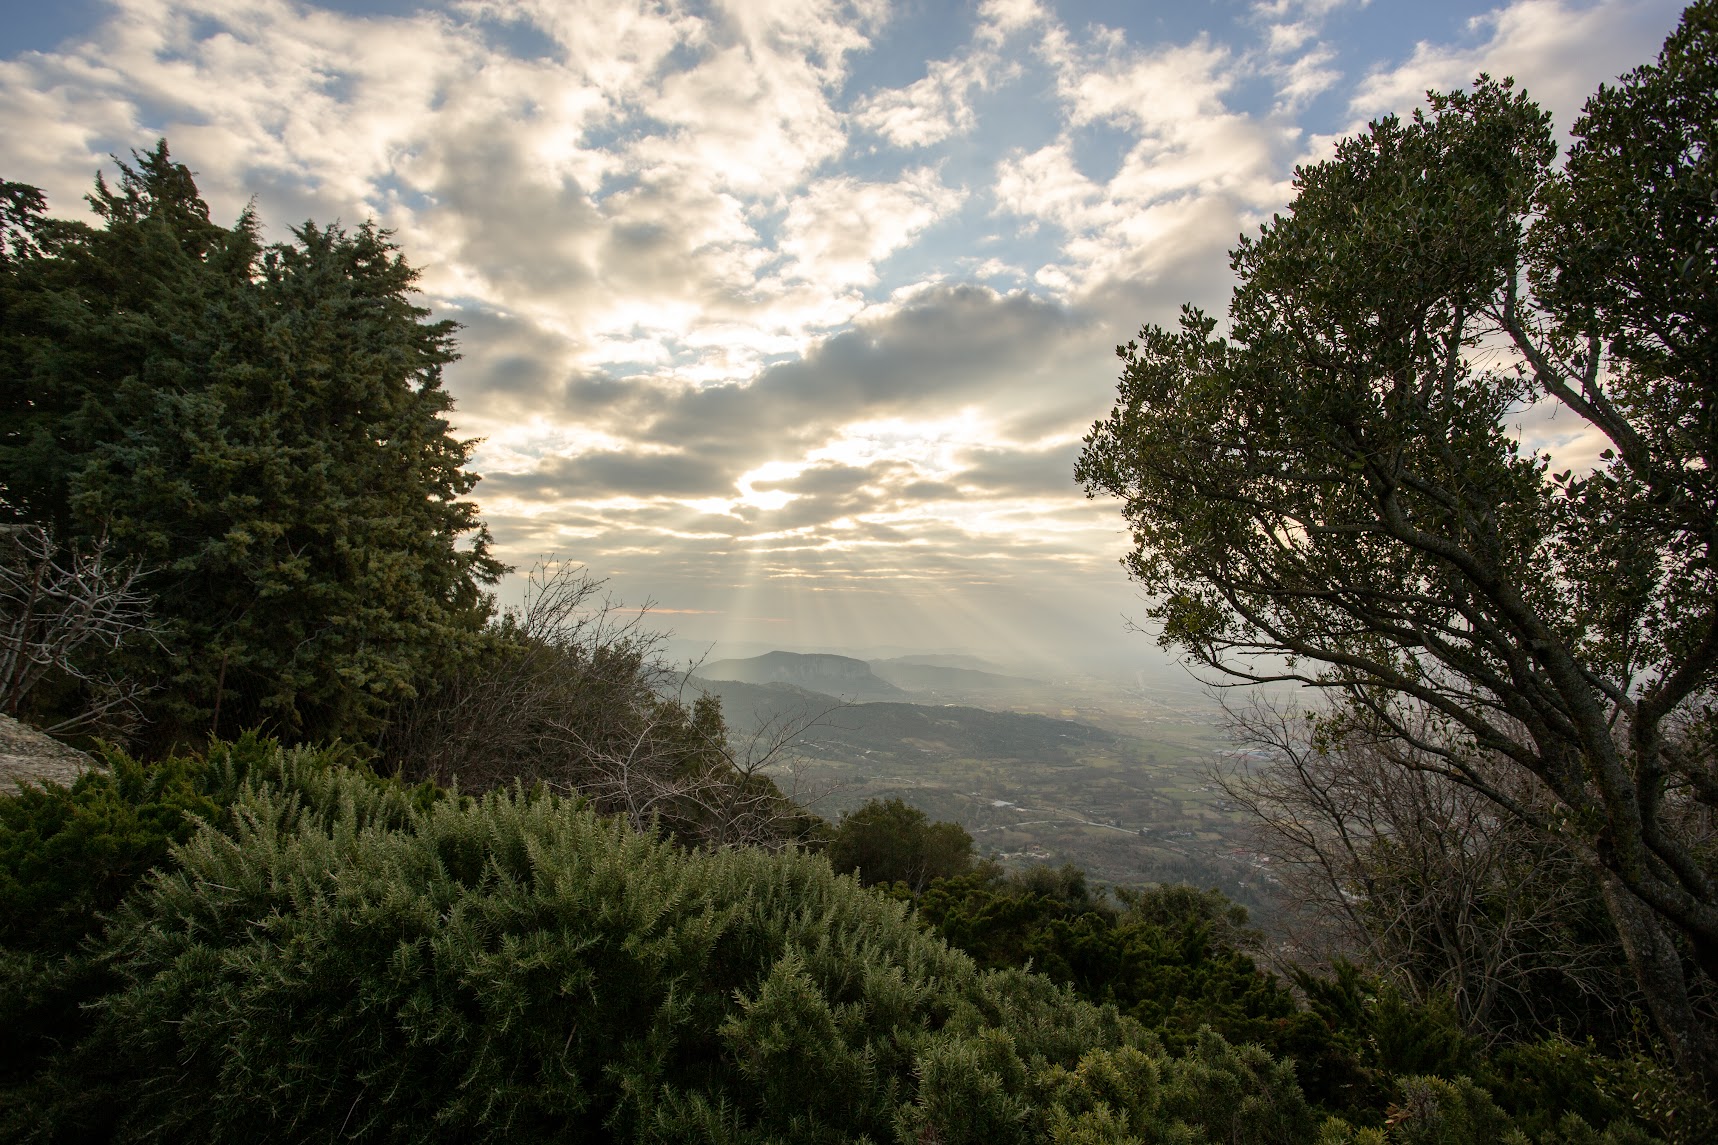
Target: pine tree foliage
[(264, 424)]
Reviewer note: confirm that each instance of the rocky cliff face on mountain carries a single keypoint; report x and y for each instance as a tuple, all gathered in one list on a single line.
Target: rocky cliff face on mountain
[(28, 756)]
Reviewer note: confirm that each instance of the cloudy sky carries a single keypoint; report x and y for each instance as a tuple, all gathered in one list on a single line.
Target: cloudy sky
[(786, 314)]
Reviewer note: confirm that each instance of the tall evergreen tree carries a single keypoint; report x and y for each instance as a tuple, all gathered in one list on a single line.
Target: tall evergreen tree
[(265, 425)]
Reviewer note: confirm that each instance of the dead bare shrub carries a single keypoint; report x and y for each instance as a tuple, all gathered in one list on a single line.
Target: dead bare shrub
[(573, 692)]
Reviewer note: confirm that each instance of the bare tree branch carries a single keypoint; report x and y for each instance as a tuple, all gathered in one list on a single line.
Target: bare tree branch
[(63, 613)]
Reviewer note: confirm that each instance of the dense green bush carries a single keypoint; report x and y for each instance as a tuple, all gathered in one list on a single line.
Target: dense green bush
[(348, 963), (886, 841), (1180, 961), (70, 855), (1175, 958), (67, 854), (1388, 1050), (1435, 1111), (322, 954)]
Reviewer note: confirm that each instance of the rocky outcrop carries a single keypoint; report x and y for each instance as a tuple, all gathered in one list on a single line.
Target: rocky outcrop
[(28, 756)]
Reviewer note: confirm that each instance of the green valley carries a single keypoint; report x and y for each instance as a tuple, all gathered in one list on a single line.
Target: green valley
[(1111, 777)]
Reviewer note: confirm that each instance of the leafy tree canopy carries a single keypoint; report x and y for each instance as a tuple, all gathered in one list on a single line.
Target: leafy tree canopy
[(886, 841), (263, 424), (1335, 490)]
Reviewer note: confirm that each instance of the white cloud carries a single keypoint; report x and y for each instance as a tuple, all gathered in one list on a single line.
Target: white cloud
[(931, 109), (837, 230), (1556, 49), (618, 48), (1162, 91), (1047, 184), (999, 19), (1311, 11), (666, 226), (939, 105), (745, 118), (1294, 54), (1302, 79), (607, 191), (1191, 168), (1287, 38)]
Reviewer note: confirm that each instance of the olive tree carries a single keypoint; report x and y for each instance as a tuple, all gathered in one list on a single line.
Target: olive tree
[(1336, 490)]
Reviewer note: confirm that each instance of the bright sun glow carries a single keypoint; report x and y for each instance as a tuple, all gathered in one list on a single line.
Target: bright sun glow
[(778, 295)]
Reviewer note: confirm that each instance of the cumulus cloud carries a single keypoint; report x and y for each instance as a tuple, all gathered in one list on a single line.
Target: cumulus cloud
[(948, 350), (1558, 50), (838, 230), (617, 183), (928, 110), (731, 317), (1191, 165)]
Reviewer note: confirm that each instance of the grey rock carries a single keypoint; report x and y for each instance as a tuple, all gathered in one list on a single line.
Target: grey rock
[(28, 756)]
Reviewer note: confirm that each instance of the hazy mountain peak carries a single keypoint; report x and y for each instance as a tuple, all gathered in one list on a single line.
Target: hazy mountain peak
[(819, 672), (944, 660), (916, 674)]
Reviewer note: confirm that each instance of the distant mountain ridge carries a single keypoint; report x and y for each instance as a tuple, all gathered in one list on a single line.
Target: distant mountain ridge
[(872, 680), (915, 674), (839, 676), (899, 731)]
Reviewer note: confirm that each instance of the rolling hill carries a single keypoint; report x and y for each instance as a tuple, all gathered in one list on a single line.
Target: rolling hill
[(900, 730), (912, 674), (839, 676), (1023, 766)]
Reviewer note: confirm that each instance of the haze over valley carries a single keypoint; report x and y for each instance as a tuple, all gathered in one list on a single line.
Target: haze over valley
[(1109, 774)]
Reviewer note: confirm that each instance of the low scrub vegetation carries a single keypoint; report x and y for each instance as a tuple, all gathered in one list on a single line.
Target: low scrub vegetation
[(270, 943)]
